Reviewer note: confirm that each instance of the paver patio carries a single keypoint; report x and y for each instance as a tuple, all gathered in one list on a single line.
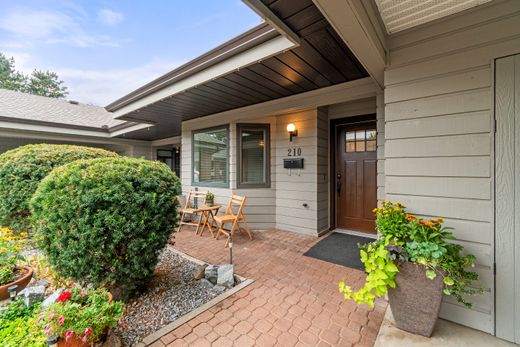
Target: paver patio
[(294, 300)]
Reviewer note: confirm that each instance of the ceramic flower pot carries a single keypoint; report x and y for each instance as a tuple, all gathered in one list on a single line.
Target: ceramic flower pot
[(416, 299), (21, 282), (73, 341)]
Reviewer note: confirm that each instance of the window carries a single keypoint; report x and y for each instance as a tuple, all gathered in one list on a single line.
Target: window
[(210, 157), (360, 140), (253, 155)]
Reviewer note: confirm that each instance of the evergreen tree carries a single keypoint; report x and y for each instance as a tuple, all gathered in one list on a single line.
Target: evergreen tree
[(44, 83)]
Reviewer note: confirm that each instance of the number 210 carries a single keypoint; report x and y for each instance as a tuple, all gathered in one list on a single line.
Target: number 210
[(293, 152)]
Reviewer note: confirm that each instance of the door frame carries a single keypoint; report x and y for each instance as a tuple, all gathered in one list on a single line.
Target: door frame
[(334, 123)]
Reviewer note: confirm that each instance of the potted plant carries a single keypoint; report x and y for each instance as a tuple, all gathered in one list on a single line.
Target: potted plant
[(80, 317), (12, 269), (414, 263), (210, 199)]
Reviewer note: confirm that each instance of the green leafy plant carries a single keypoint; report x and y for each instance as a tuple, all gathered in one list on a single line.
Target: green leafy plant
[(104, 221), (210, 196), (22, 169), (81, 313), (404, 237), (10, 255), (19, 327)]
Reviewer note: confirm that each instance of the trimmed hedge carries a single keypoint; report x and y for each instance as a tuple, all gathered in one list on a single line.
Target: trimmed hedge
[(104, 221), (22, 169)]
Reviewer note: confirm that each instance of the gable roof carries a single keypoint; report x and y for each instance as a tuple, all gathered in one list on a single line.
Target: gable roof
[(18, 106)]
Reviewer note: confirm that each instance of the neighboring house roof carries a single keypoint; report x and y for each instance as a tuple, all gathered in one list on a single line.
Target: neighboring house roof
[(22, 111), (22, 106), (204, 137)]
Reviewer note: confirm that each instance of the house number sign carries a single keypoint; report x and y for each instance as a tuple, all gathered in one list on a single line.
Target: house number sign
[(294, 152)]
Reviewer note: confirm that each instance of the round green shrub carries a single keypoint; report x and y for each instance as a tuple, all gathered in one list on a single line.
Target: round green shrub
[(22, 169), (104, 221)]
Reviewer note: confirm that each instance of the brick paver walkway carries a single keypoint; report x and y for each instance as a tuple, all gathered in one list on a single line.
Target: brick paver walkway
[(294, 300)]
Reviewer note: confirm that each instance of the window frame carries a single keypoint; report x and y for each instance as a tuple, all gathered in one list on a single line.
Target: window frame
[(209, 184), (266, 127)]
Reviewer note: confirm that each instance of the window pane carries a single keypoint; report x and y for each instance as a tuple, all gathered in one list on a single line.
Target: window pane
[(351, 146), (371, 134), (360, 135), (210, 156), (253, 156), (371, 146), (350, 135), (360, 146)]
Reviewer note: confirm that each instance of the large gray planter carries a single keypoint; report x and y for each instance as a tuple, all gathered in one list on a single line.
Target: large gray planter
[(416, 299)]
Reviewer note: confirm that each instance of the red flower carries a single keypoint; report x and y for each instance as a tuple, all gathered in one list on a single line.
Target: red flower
[(88, 331), (64, 296)]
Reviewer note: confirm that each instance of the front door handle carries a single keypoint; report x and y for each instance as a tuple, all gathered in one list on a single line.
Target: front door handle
[(338, 183)]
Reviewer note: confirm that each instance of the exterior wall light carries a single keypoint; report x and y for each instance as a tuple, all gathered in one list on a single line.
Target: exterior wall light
[(291, 129), (52, 341), (12, 292)]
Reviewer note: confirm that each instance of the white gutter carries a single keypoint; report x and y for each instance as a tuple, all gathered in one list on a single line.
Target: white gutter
[(129, 129), (52, 129)]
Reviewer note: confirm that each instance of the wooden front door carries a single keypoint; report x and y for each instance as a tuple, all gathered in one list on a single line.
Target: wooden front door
[(356, 170)]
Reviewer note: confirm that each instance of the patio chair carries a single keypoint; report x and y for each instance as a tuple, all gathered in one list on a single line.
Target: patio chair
[(190, 214), (233, 216)]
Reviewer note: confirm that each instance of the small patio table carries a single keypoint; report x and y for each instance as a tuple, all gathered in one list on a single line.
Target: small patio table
[(207, 218)]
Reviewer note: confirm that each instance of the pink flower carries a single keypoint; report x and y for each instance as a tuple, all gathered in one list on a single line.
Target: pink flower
[(83, 292), (47, 326), (84, 339), (88, 331), (68, 335), (61, 319), (51, 315)]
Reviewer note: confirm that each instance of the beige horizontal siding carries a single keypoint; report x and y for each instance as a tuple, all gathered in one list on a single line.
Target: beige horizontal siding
[(439, 131)]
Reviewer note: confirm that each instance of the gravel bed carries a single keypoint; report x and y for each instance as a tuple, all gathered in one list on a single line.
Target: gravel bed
[(172, 293)]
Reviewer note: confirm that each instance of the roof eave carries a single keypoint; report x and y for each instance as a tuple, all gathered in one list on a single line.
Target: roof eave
[(251, 38)]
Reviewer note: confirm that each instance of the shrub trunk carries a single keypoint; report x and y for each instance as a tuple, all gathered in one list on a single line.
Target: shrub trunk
[(416, 300)]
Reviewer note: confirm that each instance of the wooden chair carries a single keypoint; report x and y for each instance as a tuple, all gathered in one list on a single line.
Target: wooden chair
[(234, 216), (191, 210)]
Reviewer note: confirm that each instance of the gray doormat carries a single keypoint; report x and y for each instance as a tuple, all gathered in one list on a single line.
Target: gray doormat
[(341, 249)]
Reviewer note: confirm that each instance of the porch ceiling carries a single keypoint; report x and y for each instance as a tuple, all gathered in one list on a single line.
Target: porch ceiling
[(322, 59), (398, 15)]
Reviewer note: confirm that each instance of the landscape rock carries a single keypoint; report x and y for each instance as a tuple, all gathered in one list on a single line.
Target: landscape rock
[(204, 283), (33, 294), (219, 289), (225, 276), (211, 273), (200, 272), (42, 282), (52, 298)]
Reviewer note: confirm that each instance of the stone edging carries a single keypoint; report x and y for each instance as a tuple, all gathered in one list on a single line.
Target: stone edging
[(192, 314)]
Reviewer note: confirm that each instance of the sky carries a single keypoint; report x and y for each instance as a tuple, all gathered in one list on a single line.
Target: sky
[(104, 49)]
